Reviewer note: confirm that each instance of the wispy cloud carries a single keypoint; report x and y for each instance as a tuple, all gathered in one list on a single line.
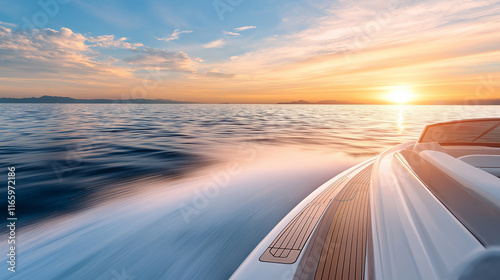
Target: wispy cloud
[(175, 35), (215, 44), (238, 29), (229, 33), (243, 28), (150, 58), (108, 41), (7, 24), (217, 74)]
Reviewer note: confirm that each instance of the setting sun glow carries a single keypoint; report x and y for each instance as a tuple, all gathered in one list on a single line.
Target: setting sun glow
[(400, 95)]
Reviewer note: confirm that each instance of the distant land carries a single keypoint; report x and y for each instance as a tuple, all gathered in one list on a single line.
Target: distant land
[(439, 102), (69, 100), (318, 102)]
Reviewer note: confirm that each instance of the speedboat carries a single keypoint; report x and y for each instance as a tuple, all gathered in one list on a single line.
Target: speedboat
[(428, 209)]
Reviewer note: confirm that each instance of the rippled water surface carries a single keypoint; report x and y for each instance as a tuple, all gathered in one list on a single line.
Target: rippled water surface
[(178, 191)]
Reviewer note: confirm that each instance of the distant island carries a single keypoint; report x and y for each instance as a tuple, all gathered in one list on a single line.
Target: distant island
[(69, 100), (318, 102), (440, 102)]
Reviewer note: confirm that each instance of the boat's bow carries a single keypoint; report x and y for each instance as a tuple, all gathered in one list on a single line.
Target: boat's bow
[(424, 210)]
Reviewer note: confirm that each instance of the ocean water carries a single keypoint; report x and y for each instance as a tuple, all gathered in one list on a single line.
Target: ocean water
[(177, 191)]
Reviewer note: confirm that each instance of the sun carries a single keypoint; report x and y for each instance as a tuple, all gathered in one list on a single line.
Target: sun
[(400, 95)]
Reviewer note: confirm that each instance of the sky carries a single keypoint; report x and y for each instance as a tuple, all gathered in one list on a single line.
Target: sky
[(242, 51)]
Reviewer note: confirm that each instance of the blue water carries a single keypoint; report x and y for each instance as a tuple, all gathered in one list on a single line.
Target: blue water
[(178, 191)]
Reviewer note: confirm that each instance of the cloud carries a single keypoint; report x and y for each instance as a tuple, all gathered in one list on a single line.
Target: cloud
[(108, 41), (216, 74), (7, 24), (66, 63), (175, 35), (56, 61), (63, 54), (243, 28), (239, 29), (150, 58), (215, 44), (229, 33), (41, 43)]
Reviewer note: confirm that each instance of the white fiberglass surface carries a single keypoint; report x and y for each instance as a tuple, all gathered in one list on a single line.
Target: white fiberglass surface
[(415, 236), (474, 179)]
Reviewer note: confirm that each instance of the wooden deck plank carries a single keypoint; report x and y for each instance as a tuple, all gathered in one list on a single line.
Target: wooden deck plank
[(359, 255), (338, 254), (331, 252), (338, 266), (331, 245), (307, 268), (363, 224), (362, 235), (342, 235), (350, 249), (295, 235), (299, 224), (328, 253), (302, 238)]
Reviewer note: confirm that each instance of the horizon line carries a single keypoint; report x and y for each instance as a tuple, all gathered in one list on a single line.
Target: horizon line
[(47, 99)]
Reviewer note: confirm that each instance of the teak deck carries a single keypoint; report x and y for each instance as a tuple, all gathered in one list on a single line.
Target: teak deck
[(337, 249), (290, 242)]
